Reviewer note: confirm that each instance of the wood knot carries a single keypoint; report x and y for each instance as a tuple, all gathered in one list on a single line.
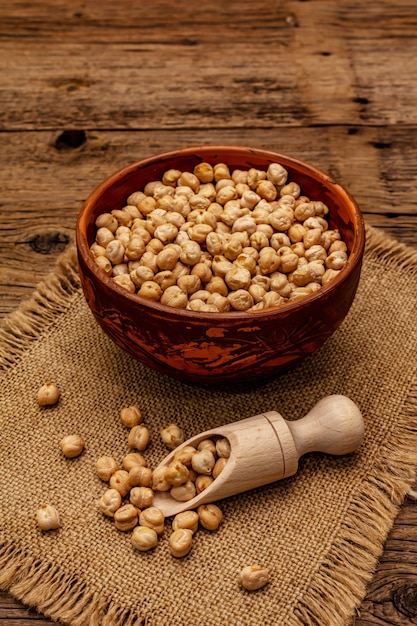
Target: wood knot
[(405, 600), (49, 243), (70, 139)]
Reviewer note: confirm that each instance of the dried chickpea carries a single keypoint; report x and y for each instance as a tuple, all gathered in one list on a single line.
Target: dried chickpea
[(110, 501), (177, 474), (203, 481), (139, 437), (184, 492), (104, 264), (174, 297), (144, 538), (336, 260), (48, 394), (126, 518), (207, 444), (172, 436), (150, 290), (131, 416), (203, 461), (186, 519), (204, 172), (120, 481), (223, 447), (240, 300), (115, 251), (141, 274), (185, 455), (124, 281), (106, 466), (133, 459), (107, 220), (140, 476), (253, 577), (47, 517), (104, 236), (180, 542), (153, 518), (71, 446), (219, 466), (210, 516), (159, 482), (141, 497)]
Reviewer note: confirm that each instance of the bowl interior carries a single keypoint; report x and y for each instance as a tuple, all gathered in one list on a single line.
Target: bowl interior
[(113, 192)]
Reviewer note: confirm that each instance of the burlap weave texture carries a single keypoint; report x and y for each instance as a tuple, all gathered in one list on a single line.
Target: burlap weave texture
[(320, 532)]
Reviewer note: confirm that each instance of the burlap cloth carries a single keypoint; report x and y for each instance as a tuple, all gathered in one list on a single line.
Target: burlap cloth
[(320, 532)]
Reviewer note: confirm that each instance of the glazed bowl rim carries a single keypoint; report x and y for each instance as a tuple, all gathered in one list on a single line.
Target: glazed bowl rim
[(354, 258)]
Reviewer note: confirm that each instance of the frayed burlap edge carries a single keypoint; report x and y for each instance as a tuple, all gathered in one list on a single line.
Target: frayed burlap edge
[(37, 314), (335, 591)]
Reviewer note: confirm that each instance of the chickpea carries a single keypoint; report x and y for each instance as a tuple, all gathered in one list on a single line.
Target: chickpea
[(141, 274), (140, 476), (159, 482), (107, 220), (184, 492), (174, 297), (253, 577), (106, 466), (134, 459), (141, 497), (219, 466), (170, 177), (185, 455), (180, 542), (124, 281), (139, 437), (210, 516), (104, 264), (115, 251), (204, 172), (144, 538), (186, 519), (120, 481), (131, 416), (203, 481), (71, 446), (126, 517), (336, 260), (104, 236), (110, 501), (150, 290), (177, 474), (203, 461), (48, 518), (48, 394), (153, 518), (240, 300)]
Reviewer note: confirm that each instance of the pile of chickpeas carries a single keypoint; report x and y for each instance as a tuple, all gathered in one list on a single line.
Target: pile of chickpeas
[(216, 240), (191, 471), (131, 487)]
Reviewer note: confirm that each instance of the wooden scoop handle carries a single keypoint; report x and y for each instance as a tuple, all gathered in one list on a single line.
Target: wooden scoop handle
[(334, 425)]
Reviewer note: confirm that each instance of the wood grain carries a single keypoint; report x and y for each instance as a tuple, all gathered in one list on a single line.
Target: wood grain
[(88, 87)]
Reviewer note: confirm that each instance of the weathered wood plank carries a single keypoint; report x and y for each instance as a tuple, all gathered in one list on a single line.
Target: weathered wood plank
[(299, 64)]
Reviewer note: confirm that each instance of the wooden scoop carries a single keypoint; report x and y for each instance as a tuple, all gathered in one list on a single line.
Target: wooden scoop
[(266, 448)]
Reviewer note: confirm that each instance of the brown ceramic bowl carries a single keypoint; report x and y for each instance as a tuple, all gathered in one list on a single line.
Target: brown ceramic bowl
[(220, 347)]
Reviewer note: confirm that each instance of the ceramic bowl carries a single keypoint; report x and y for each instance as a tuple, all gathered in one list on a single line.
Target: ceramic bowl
[(220, 347)]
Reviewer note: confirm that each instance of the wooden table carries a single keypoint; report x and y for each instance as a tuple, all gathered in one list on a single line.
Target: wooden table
[(87, 87)]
